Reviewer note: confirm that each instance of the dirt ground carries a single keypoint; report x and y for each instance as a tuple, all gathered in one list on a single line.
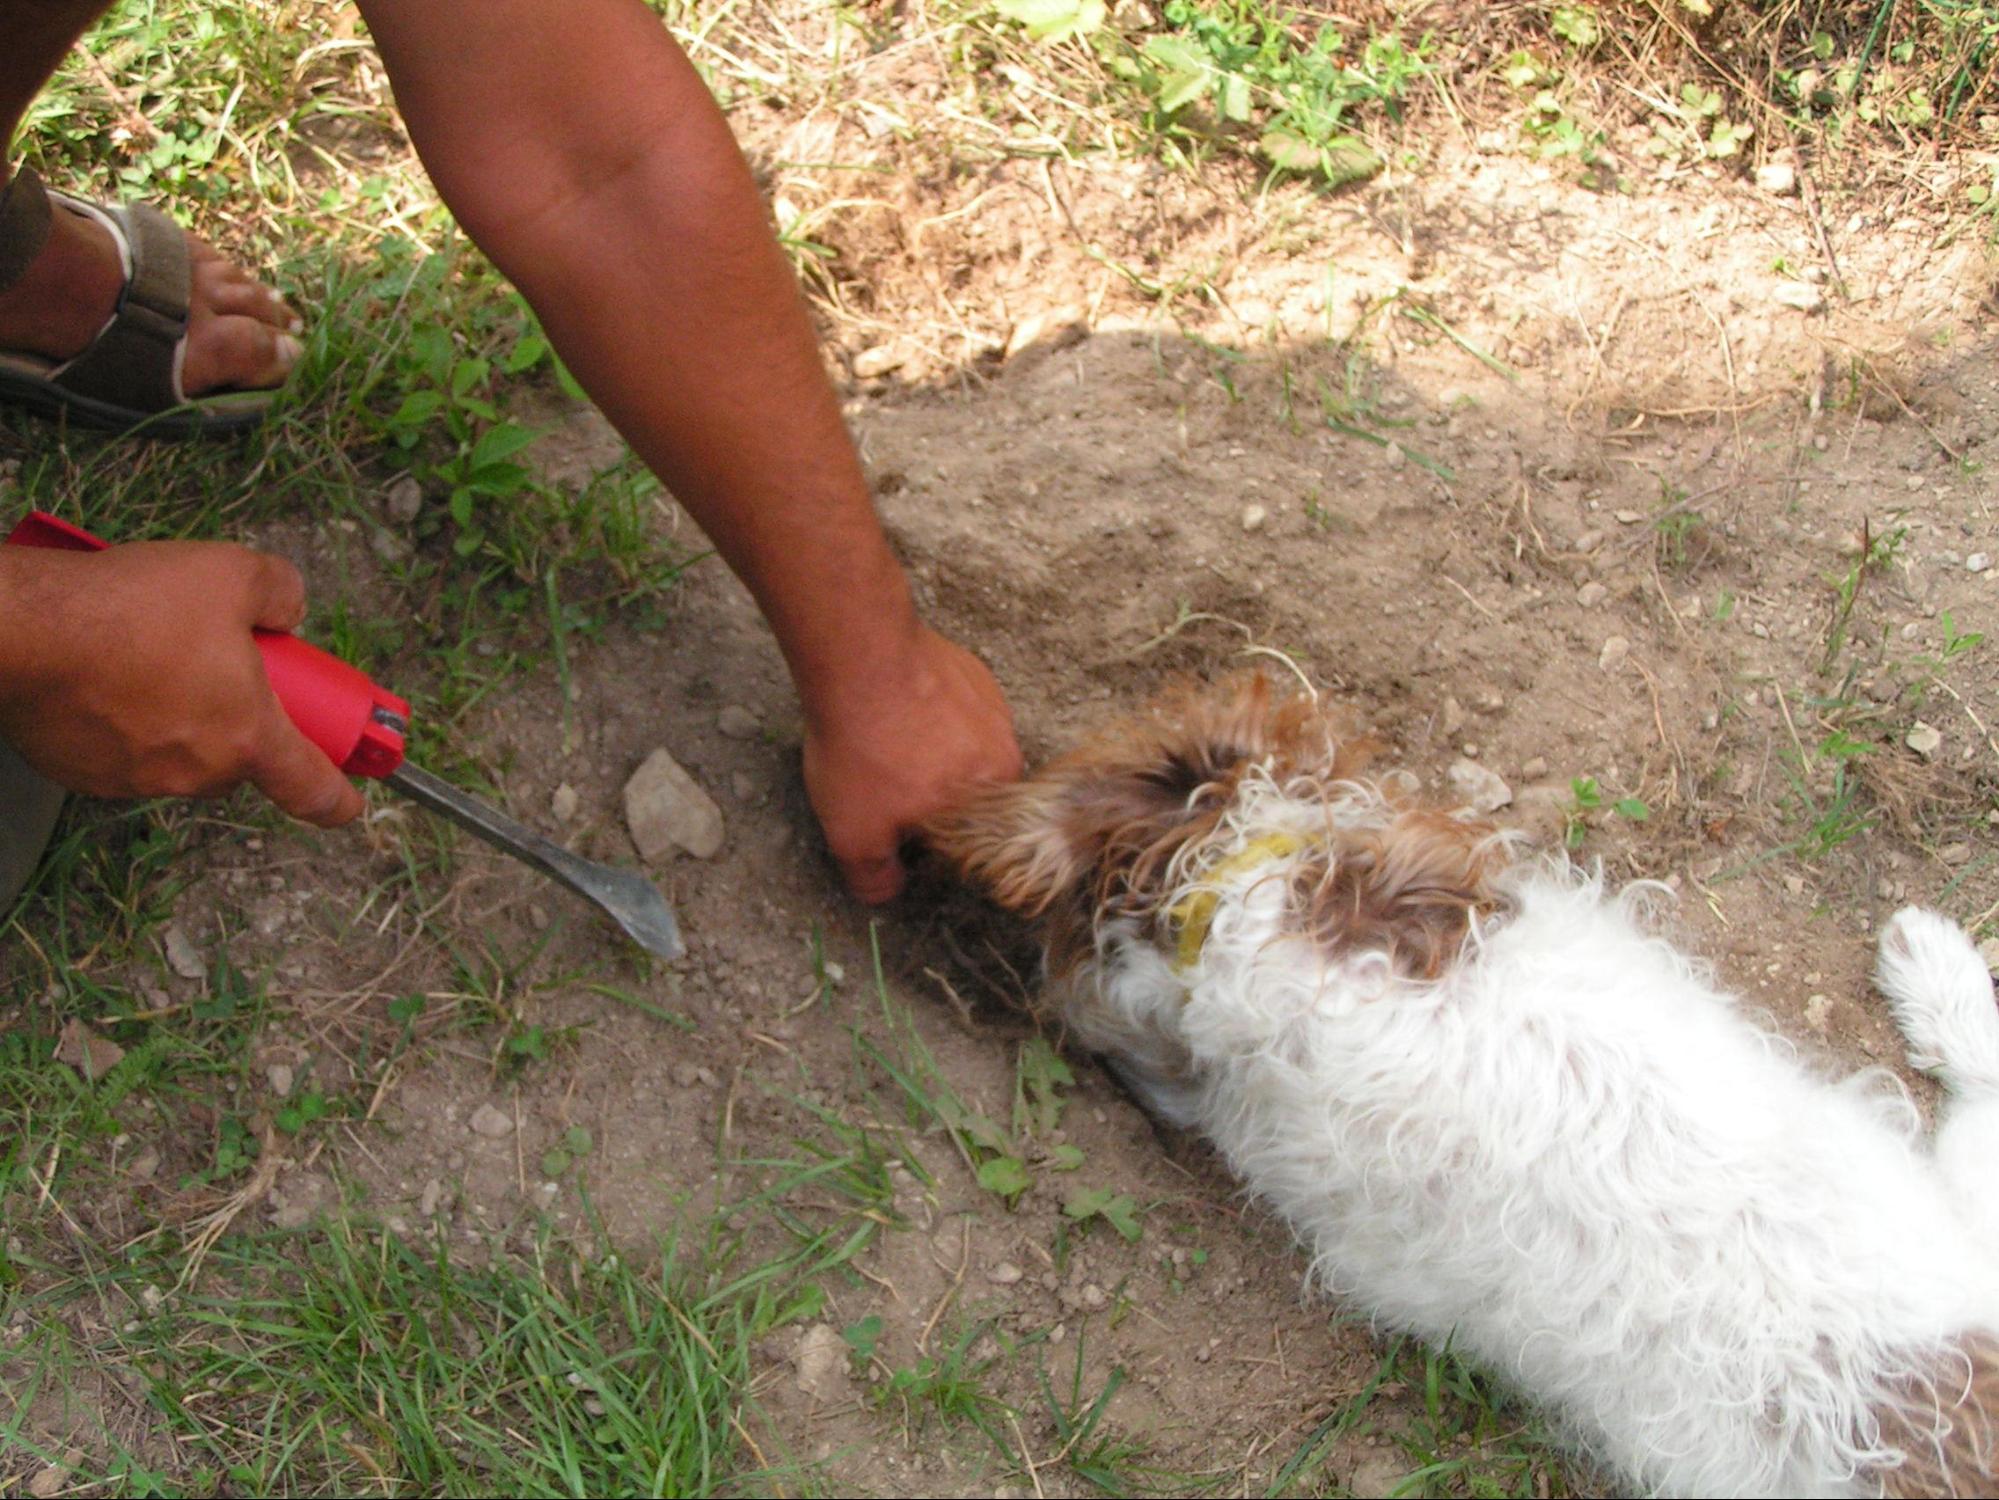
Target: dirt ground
[(1614, 484)]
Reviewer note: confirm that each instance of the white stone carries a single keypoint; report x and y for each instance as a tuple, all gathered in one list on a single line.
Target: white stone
[(281, 1078), (1778, 178), (563, 803), (1799, 294), (1924, 739), (492, 1122), (182, 956), (1614, 652), (872, 363), (1978, 562), (738, 723), (405, 499), (820, 1362), (667, 812), (1006, 1273), (1591, 594), (1481, 787), (1253, 517)]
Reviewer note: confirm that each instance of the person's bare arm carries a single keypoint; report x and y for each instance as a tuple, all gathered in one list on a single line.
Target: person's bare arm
[(578, 147), (134, 673)]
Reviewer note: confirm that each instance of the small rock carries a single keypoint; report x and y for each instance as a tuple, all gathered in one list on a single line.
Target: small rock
[(1802, 295), (84, 1050), (1006, 1273), (1591, 594), (433, 1195), (1795, 884), (667, 812), (182, 956), (146, 1165), (1924, 739), (1954, 854), (738, 723), (405, 499), (1253, 517), (47, 1484), (1060, 328), (1613, 655), (686, 1075), (1535, 768), (562, 804), (820, 1361), (492, 1122), (871, 364), (1978, 562), (743, 785), (1629, 517), (1092, 1297), (1777, 178), (1817, 1008), (1452, 717), (281, 1079), (1393, 456), (1489, 701), (1480, 786), (1377, 1474)]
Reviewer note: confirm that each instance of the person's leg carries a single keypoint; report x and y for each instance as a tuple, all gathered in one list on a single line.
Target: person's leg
[(28, 807), (238, 330)]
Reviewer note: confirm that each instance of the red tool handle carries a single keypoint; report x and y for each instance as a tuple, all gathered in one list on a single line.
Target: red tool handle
[(359, 725)]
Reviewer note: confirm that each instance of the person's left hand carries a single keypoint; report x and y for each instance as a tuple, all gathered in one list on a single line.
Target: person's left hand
[(897, 742)]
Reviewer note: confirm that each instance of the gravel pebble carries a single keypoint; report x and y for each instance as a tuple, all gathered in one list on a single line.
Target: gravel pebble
[(1480, 786), (1006, 1273), (738, 723), (182, 956), (563, 803), (1253, 517), (1799, 294), (1591, 594), (820, 1363), (405, 499), (667, 812), (1615, 650), (870, 364), (1777, 178), (1978, 562), (492, 1122), (1924, 739)]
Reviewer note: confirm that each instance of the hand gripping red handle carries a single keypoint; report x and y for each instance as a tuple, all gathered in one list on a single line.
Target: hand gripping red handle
[(358, 724)]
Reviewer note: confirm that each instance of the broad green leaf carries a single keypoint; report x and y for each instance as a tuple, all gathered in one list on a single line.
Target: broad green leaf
[(1054, 20), (1005, 1175)]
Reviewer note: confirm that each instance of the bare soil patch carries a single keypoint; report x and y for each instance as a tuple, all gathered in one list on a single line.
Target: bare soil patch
[(1584, 510)]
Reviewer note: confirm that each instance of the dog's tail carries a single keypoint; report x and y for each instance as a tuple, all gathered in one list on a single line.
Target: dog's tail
[(1942, 998), (1946, 1424)]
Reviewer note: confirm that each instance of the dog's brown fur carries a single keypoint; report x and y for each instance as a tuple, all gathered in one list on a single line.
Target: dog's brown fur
[(1099, 832)]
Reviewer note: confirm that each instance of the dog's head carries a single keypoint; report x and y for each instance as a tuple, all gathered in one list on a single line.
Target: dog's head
[(1112, 828), (1095, 833)]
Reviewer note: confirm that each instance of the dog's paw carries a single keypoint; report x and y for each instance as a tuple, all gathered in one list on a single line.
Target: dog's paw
[(1942, 998)]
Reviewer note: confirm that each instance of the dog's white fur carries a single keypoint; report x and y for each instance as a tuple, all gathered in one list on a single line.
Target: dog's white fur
[(1573, 1156)]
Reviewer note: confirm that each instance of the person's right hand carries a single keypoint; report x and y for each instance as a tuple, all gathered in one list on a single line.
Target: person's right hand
[(133, 673)]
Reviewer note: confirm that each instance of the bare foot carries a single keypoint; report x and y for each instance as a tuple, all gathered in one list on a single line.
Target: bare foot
[(239, 332)]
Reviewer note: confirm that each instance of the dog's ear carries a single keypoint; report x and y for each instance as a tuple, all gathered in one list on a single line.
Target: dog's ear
[(1032, 844)]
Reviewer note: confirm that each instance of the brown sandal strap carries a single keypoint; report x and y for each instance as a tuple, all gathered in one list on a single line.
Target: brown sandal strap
[(131, 363), (24, 224)]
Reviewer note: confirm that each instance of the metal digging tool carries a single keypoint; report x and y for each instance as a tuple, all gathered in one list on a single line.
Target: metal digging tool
[(361, 725)]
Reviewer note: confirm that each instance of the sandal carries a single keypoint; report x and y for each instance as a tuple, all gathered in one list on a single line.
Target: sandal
[(129, 375)]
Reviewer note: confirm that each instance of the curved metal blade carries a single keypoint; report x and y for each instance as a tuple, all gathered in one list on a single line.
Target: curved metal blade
[(632, 901)]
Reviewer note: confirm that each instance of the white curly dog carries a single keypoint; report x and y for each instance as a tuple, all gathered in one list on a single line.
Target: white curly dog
[(1498, 1110)]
